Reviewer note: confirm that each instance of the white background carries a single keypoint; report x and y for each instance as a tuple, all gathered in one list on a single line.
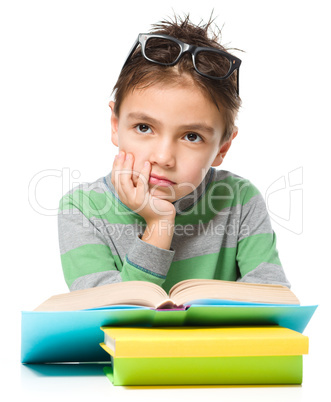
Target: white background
[(60, 60)]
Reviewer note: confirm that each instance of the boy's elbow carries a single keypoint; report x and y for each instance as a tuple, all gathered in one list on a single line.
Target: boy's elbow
[(268, 274)]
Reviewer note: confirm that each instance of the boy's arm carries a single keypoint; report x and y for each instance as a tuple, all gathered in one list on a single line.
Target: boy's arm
[(257, 255), (89, 258)]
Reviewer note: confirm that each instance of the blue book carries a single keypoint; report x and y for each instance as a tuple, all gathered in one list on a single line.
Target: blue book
[(74, 336)]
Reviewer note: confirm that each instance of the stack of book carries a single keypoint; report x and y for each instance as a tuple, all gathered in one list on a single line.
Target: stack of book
[(203, 332), (204, 355)]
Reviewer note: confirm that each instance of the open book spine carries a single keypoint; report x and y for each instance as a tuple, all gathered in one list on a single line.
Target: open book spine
[(169, 304)]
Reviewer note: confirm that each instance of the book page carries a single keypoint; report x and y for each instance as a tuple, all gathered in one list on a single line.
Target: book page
[(193, 289), (138, 293)]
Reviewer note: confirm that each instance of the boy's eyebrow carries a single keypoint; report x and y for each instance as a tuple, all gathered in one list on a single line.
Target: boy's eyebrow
[(142, 117), (199, 127), (194, 126)]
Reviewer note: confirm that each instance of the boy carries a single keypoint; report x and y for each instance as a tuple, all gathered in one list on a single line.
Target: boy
[(164, 213)]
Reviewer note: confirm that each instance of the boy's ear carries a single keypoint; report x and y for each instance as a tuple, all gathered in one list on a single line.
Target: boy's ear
[(224, 148), (114, 125)]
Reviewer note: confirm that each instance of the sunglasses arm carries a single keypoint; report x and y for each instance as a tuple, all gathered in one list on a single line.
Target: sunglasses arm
[(238, 81), (136, 43)]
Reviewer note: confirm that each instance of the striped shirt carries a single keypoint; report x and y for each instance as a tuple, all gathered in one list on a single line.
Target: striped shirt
[(222, 231)]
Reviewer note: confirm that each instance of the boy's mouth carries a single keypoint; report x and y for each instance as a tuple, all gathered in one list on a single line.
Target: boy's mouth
[(161, 181)]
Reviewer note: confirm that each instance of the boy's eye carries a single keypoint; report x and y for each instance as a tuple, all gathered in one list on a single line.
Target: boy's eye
[(193, 137), (143, 128)]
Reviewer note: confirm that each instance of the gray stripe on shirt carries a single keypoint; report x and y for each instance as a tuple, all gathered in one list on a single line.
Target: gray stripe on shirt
[(149, 257), (70, 223), (254, 218), (96, 279), (267, 273)]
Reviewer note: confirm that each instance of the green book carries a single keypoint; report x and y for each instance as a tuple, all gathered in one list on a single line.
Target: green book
[(248, 370)]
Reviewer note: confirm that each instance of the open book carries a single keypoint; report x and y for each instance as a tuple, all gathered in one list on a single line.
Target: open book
[(148, 294)]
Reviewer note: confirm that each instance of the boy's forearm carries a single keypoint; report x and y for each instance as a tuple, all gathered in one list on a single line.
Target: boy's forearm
[(159, 233)]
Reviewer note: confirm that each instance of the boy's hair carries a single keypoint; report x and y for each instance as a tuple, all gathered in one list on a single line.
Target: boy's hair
[(139, 73)]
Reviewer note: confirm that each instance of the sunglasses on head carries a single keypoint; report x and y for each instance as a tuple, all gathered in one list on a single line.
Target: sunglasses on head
[(166, 50)]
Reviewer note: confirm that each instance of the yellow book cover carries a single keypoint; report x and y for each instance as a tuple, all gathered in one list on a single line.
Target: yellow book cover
[(204, 341)]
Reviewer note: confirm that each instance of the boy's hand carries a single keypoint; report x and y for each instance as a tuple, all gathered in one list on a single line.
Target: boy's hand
[(138, 198)]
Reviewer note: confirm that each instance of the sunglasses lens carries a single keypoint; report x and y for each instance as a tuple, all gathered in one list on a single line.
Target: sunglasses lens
[(212, 63), (162, 50)]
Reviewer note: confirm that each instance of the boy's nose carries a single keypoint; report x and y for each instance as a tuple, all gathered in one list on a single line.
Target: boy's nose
[(163, 155)]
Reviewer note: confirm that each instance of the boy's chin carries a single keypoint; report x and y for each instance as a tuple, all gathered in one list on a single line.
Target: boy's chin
[(164, 193)]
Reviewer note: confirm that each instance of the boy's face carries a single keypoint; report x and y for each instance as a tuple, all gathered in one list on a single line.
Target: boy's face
[(177, 129)]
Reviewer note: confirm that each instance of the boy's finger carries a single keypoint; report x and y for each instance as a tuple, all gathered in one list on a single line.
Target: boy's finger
[(117, 165), (125, 175), (143, 179)]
